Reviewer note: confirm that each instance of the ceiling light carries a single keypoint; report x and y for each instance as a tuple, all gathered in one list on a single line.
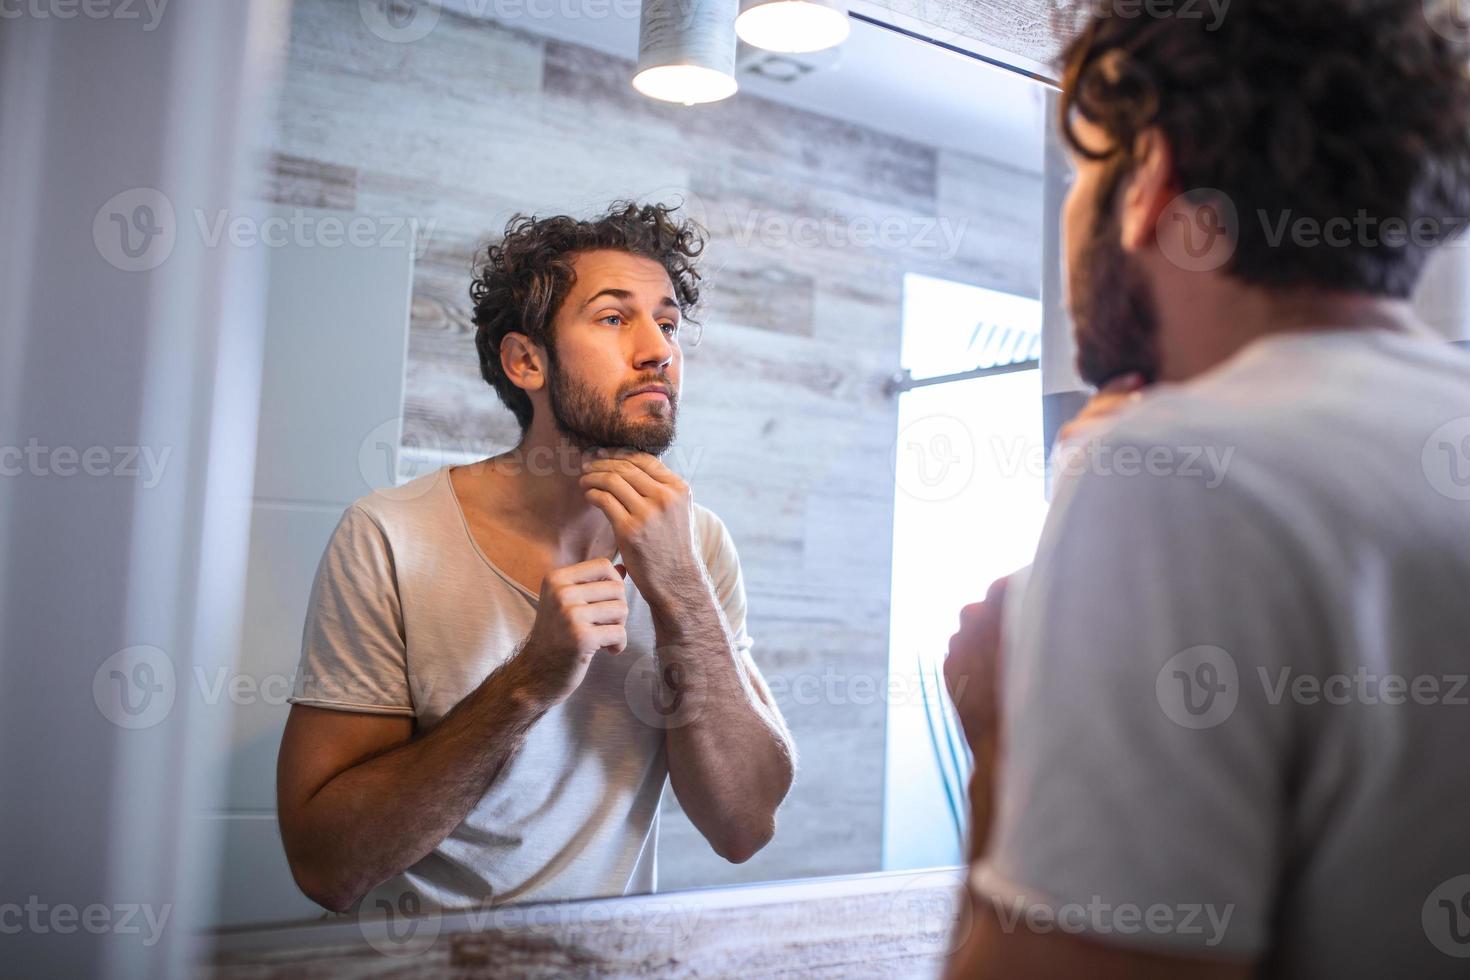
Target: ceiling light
[(793, 26), (686, 50)]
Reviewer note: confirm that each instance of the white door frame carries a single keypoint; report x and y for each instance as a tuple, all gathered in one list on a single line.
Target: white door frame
[(104, 349)]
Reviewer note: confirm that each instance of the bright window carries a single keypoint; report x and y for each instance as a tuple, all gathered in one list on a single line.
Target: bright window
[(969, 502)]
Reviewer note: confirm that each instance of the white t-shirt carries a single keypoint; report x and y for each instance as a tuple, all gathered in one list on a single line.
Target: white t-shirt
[(1236, 710), (407, 616)]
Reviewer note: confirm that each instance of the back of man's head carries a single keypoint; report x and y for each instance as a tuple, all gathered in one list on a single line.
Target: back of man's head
[(1339, 130)]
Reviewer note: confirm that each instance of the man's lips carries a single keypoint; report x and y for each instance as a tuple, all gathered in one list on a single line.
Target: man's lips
[(649, 391)]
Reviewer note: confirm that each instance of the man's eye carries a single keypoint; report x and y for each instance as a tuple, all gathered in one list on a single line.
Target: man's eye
[(613, 316), (672, 329)]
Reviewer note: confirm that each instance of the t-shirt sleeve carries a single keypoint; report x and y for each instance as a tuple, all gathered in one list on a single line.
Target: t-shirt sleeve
[(353, 653), (1142, 790), (723, 564)]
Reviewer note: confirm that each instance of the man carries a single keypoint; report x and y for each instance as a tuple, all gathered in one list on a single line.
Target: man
[(1233, 711), (486, 711)]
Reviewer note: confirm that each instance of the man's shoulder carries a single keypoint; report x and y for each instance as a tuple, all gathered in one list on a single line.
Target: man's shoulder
[(408, 505), (1295, 388), (707, 525), (1279, 390), (1268, 435), (706, 519), (715, 542), (1177, 451)]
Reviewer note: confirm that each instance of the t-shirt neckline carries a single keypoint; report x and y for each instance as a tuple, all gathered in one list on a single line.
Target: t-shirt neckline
[(464, 523)]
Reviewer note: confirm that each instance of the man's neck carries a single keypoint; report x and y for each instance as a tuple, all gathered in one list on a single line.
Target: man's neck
[(535, 487), (1202, 325)]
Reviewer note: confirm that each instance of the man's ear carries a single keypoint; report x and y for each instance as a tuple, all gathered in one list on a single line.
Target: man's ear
[(1149, 190), (523, 361)]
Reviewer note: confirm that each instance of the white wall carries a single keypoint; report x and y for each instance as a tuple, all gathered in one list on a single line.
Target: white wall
[(1443, 297), (330, 421), (114, 346)]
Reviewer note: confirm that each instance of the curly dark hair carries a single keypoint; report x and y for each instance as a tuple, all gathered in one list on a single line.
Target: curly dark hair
[(1317, 109), (520, 282)]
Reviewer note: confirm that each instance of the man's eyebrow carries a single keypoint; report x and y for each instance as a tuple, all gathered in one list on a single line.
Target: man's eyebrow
[(625, 295)]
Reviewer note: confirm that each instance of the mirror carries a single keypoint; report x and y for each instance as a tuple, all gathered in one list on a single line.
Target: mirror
[(874, 217)]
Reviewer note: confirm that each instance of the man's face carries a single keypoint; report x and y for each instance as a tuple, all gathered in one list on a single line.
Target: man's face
[(1113, 314), (614, 338)]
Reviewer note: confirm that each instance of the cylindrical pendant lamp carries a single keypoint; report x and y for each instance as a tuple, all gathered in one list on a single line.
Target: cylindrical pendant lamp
[(686, 50), (793, 26)]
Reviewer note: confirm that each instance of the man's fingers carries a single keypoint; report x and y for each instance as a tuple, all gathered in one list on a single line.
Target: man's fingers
[(593, 570), (601, 590), (1110, 398), (613, 639), (957, 647), (610, 506), (957, 674), (647, 462), (639, 479), (621, 490), (610, 612), (976, 615), (986, 614), (1101, 406), (1123, 383)]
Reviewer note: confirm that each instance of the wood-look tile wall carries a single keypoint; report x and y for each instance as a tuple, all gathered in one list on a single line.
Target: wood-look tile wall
[(785, 430)]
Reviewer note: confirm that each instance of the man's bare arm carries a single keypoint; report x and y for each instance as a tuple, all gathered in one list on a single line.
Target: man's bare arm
[(731, 758), (986, 944), (734, 760), (360, 799)]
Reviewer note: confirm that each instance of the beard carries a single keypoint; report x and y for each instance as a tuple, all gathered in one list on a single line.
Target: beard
[(588, 420), (1115, 321)]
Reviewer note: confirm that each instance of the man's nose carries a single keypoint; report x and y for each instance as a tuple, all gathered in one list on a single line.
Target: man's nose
[(654, 349)]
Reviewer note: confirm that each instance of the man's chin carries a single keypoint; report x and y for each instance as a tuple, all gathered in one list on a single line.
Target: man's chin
[(648, 426), (655, 443)]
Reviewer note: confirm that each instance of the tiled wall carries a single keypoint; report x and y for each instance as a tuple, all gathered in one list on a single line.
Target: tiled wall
[(336, 323), (785, 430)]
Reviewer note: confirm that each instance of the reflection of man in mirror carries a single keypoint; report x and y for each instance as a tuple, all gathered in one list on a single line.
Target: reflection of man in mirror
[(1232, 732), (504, 662)]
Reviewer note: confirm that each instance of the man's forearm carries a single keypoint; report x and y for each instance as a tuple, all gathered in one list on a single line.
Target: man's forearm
[(381, 816), (982, 794), (732, 763)]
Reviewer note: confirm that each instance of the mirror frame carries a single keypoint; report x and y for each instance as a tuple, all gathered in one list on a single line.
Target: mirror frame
[(858, 909)]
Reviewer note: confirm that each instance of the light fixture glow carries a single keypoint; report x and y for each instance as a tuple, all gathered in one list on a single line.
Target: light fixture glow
[(793, 26), (686, 50), (686, 84)]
